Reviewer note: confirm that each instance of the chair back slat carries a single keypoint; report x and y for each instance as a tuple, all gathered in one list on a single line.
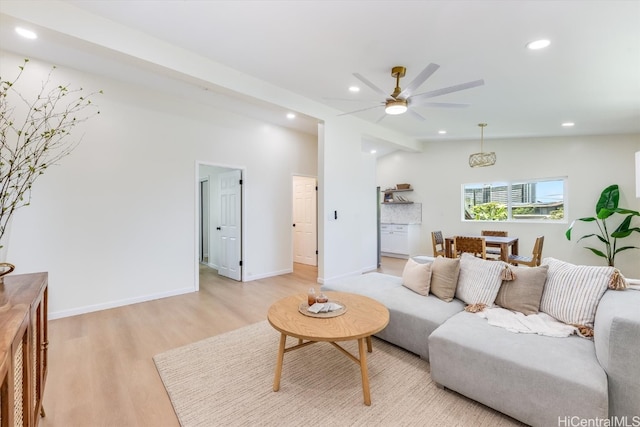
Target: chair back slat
[(537, 250), (473, 245), (438, 243), (536, 256), (495, 233)]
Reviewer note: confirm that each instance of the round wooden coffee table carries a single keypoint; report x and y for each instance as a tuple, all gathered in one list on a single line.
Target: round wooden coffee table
[(363, 317)]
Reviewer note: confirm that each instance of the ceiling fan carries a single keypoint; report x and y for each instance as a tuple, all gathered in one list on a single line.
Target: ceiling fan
[(402, 100)]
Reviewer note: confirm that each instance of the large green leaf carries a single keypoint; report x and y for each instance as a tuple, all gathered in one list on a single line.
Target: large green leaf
[(597, 252), (568, 232), (624, 233), (627, 211), (624, 248), (606, 207), (586, 236), (609, 198), (605, 213)]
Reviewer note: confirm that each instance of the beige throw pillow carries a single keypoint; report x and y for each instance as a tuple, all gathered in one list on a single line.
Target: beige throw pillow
[(444, 277), (523, 294), (417, 277)]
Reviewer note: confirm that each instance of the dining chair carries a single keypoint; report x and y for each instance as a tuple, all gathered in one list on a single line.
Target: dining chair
[(473, 245), (438, 243), (534, 259), (493, 253)]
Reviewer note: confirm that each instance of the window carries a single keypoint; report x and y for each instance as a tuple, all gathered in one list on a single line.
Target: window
[(532, 201)]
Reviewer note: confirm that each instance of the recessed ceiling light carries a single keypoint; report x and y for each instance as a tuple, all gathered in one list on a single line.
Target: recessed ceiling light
[(442, 132), (538, 44), (291, 116), (568, 124), (28, 34), (373, 151), (354, 89)]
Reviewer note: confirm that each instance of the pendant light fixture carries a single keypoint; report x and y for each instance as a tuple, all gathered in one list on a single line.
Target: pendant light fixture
[(482, 159)]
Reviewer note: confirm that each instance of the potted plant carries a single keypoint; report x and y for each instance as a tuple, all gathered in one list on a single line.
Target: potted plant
[(35, 133), (606, 207)]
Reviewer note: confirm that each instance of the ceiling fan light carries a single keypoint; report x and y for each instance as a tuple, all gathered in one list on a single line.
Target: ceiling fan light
[(538, 44), (28, 34), (395, 107)]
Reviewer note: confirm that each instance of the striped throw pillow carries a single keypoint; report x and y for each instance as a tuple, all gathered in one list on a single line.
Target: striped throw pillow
[(479, 280), (572, 292)]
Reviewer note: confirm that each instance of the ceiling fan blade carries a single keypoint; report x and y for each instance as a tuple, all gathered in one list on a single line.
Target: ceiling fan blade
[(362, 109), (420, 78), (446, 90), (381, 117), (417, 115), (422, 103), (351, 100), (371, 85)]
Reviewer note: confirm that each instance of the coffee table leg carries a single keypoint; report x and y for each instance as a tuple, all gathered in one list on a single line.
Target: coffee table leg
[(276, 380), (364, 371)]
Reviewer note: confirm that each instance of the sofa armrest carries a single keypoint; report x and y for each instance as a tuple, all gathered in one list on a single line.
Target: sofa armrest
[(617, 344)]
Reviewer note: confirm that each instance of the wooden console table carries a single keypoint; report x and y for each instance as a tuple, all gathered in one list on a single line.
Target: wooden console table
[(23, 349)]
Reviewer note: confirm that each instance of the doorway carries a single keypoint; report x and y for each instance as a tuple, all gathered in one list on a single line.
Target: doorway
[(305, 220), (205, 221), (220, 220)]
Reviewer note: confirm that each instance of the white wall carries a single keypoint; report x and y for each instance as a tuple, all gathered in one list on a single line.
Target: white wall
[(591, 164), (368, 201), (115, 222), (153, 134)]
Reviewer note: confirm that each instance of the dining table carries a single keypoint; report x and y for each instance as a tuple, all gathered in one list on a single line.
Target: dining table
[(504, 243)]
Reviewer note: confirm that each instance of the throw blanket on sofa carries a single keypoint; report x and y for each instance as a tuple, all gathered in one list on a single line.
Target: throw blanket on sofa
[(541, 323)]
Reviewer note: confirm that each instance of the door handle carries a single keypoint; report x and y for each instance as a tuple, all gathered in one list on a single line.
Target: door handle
[(218, 228), (294, 225)]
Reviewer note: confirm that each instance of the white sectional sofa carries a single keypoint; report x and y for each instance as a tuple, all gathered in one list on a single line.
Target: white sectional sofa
[(539, 380)]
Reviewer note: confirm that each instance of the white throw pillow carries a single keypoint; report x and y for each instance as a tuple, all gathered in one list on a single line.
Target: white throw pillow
[(479, 280), (572, 292), (417, 277)]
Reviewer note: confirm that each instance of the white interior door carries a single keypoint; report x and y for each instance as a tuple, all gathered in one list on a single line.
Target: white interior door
[(304, 220), (230, 196)]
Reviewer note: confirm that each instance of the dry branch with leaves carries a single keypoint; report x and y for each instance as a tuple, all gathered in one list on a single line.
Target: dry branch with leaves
[(38, 138)]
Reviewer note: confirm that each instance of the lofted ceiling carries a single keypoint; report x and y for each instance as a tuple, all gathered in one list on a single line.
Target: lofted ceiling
[(589, 75)]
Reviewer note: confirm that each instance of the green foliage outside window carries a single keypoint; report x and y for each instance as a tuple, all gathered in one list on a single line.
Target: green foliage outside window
[(557, 213), (523, 211), (491, 211)]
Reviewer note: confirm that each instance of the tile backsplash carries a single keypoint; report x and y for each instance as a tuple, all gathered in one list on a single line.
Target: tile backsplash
[(401, 213)]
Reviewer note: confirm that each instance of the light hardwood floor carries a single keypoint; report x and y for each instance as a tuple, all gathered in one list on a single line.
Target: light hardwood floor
[(101, 371)]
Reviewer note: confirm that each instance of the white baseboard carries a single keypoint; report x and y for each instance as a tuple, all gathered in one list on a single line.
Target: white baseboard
[(369, 268), (391, 255), (113, 304), (342, 276), (248, 278)]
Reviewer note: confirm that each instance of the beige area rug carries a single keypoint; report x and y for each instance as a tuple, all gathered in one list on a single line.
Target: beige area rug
[(227, 380)]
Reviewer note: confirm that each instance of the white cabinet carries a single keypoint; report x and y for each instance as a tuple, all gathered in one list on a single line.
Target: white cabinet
[(399, 240)]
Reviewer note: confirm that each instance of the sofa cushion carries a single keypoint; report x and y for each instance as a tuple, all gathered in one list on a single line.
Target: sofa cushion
[(536, 379), (412, 318), (617, 342), (444, 277), (523, 294), (479, 280), (369, 284), (417, 277), (572, 292)]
